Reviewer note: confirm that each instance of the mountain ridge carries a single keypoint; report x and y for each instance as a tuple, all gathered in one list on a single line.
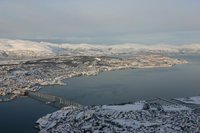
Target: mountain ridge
[(25, 48)]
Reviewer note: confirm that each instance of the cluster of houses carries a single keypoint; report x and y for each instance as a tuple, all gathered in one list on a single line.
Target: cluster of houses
[(17, 79), (140, 117)]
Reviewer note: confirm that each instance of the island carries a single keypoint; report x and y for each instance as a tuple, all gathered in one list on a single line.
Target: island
[(150, 116)]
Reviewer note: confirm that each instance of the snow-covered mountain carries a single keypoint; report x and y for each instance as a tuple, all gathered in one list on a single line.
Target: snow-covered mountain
[(24, 48)]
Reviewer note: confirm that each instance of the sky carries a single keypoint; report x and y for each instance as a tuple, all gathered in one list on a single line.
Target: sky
[(102, 21)]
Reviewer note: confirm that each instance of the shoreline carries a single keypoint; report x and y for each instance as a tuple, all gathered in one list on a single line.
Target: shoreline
[(31, 76), (61, 83)]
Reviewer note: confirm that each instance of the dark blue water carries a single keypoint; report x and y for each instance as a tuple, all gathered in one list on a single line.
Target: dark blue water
[(106, 88), (132, 85), (20, 115)]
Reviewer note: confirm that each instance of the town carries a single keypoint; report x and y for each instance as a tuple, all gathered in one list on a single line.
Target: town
[(20, 77)]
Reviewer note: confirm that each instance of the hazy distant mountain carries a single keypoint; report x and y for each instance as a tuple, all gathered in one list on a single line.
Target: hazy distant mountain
[(21, 48), (24, 48)]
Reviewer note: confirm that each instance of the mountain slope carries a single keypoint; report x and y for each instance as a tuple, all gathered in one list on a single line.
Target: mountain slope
[(22, 48)]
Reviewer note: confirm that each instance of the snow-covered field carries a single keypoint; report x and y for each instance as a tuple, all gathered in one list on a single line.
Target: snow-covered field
[(136, 117), (192, 100), (24, 48)]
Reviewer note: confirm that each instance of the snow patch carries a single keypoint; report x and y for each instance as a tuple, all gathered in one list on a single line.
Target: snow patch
[(127, 107), (191, 100)]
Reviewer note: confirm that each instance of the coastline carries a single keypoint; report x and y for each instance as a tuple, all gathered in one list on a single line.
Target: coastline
[(32, 75), (59, 80)]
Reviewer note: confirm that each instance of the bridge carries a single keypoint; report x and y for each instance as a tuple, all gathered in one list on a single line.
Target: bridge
[(52, 100)]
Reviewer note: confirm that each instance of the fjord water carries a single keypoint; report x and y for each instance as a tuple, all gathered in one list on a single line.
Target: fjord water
[(106, 88), (131, 85)]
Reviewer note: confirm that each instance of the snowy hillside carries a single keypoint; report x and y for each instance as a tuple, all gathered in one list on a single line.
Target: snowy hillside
[(21, 48), (139, 117), (24, 48)]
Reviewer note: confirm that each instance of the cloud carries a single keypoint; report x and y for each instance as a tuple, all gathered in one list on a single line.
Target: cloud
[(94, 18)]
